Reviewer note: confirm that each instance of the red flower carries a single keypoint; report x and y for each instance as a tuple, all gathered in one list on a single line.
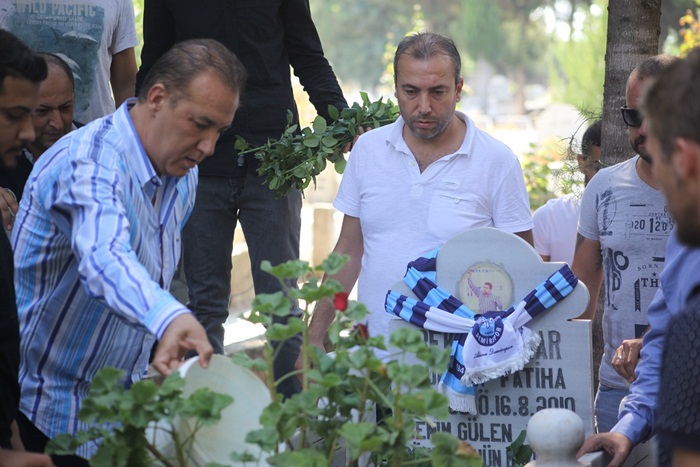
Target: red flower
[(341, 301), (360, 333)]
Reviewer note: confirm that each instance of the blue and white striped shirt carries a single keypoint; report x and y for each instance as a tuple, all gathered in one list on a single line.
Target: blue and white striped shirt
[(96, 243)]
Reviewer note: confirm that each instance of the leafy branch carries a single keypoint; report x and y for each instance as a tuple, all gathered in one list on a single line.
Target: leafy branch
[(294, 160)]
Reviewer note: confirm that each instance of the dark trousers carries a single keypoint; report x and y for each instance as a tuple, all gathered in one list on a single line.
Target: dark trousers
[(271, 227), (35, 441)]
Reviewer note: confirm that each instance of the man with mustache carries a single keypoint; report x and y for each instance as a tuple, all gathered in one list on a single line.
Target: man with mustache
[(52, 119), (21, 71), (663, 398), (623, 229), (412, 185), (97, 239)]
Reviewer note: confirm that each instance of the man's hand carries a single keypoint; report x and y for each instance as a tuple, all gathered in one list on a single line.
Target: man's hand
[(626, 358), (184, 333), (10, 458), (8, 208), (616, 444), (360, 131)]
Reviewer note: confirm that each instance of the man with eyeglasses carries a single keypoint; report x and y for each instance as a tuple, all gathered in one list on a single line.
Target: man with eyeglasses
[(622, 234)]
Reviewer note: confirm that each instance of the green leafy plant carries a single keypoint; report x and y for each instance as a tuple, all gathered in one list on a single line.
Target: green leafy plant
[(298, 157), (333, 416), (342, 391), (121, 418)]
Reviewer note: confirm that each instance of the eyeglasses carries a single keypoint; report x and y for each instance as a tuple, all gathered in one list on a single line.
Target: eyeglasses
[(632, 117)]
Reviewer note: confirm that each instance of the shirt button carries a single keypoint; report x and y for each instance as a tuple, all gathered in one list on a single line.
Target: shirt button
[(457, 200)]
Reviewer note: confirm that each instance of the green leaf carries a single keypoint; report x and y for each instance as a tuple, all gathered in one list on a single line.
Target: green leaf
[(282, 332), (364, 97), (105, 381), (240, 144), (340, 165), (206, 406), (244, 360), (319, 124), (312, 141), (266, 438), (333, 263), (348, 113), (63, 445), (333, 112), (329, 141), (407, 339), (356, 311), (275, 304), (289, 270), (271, 414), (359, 438), (291, 130), (519, 452)]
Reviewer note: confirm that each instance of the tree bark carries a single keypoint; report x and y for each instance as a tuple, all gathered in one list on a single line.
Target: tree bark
[(633, 36)]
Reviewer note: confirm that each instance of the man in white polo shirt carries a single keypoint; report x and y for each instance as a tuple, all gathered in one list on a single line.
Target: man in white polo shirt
[(411, 186)]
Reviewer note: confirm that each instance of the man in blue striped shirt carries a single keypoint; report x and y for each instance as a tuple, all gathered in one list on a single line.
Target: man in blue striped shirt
[(97, 239)]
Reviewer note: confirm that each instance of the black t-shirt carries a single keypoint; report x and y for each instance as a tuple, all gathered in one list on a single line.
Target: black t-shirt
[(9, 343)]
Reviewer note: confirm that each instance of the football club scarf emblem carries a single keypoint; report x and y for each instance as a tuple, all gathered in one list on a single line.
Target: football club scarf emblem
[(485, 346)]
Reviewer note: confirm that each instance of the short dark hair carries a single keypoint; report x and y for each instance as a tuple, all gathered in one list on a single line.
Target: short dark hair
[(650, 68), (186, 60), (490, 285), (591, 137), (16, 59), (58, 62), (671, 103), (424, 45)]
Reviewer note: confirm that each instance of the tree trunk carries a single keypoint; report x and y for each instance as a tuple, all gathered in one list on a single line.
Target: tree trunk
[(633, 36)]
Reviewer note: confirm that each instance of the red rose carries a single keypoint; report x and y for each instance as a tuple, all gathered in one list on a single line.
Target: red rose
[(341, 301)]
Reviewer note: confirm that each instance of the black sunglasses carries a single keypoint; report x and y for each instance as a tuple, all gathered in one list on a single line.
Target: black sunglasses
[(632, 117)]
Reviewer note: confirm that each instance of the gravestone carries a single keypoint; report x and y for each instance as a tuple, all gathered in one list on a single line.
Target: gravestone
[(559, 375)]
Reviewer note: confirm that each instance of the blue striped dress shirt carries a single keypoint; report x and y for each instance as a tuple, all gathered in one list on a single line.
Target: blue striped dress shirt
[(96, 243)]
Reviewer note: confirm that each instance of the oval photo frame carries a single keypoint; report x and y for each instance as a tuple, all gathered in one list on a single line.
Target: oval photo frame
[(481, 275)]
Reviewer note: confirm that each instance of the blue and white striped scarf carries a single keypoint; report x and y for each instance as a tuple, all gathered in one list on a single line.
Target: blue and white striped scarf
[(485, 346)]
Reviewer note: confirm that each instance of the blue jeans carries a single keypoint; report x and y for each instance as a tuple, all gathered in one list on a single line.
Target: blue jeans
[(607, 405), (271, 227)]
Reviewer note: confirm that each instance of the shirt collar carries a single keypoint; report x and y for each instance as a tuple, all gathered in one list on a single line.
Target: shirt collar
[(143, 168)]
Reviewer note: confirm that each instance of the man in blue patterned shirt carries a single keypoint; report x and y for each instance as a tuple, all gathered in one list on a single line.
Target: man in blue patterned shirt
[(97, 239)]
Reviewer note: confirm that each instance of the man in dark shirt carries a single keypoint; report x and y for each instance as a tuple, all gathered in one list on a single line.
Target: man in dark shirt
[(21, 71), (52, 119), (268, 37)]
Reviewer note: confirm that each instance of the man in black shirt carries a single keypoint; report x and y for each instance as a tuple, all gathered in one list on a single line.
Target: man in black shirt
[(21, 71), (268, 36)]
